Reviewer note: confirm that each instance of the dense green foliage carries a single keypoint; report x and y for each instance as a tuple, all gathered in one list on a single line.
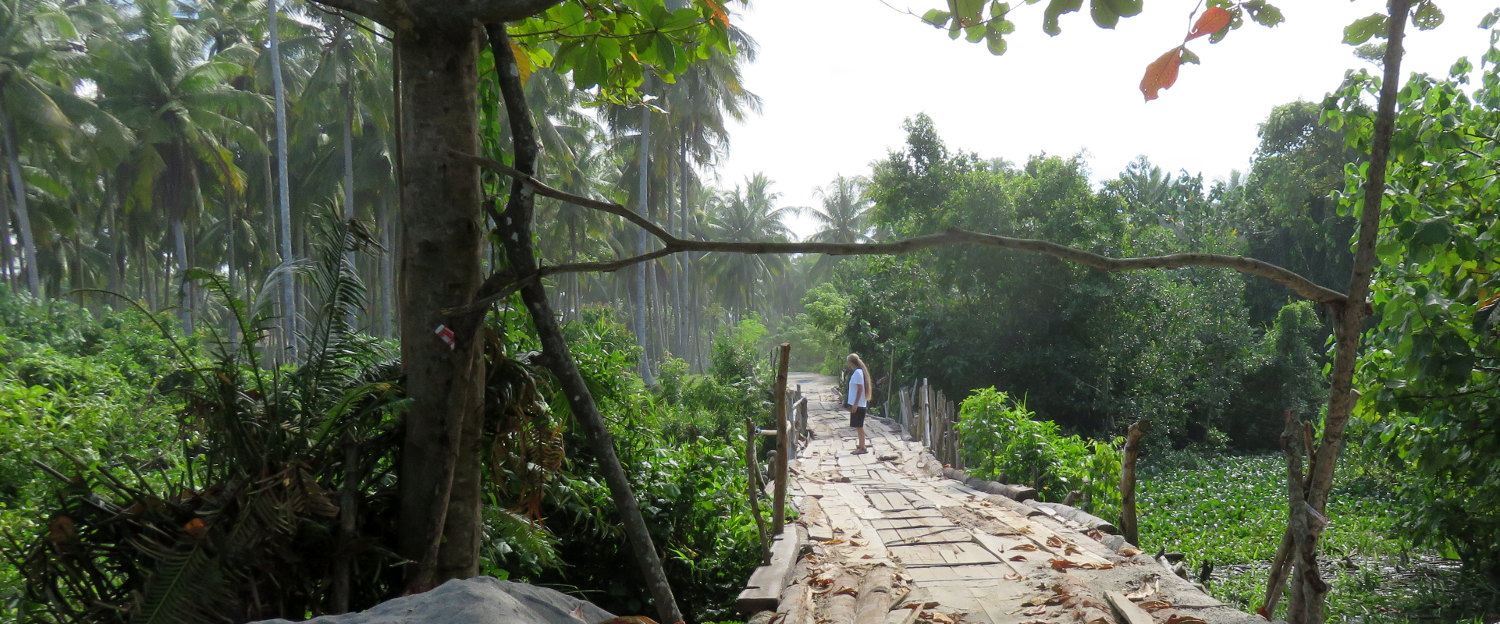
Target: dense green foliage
[(1092, 351), (1432, 378), (231, 523), (1230, 510), (1003, 441), (80, 385)]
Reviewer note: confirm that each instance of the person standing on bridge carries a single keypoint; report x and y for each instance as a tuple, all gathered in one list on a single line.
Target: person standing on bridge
[(859, 398)]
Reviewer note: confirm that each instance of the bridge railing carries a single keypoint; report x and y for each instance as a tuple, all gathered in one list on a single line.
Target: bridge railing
[(928, 417)]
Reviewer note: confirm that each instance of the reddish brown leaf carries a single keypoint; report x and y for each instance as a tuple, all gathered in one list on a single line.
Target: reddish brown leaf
[(720, 15), (1154, 605), (1025, 547), (1161, 73), (1062, 564), (195, 527), (1018, 558), (1054, 541), (1213, 20), (1184, 619), (61, 530)]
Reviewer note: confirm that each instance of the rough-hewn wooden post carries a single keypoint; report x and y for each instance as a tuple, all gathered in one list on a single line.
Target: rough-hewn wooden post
[(1127, 480), (752, 486), (778, 514)]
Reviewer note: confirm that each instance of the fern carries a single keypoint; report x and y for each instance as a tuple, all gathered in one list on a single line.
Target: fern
[(187, 585)]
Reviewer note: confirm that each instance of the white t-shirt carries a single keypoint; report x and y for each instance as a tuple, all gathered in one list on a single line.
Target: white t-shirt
[(857, 388)]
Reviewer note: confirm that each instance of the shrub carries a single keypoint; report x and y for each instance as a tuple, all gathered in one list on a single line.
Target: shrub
[(1002, 440)]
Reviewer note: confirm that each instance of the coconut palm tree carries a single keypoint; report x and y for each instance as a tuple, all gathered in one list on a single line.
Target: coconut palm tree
[(746, 214), (186, 115), (40, 50)]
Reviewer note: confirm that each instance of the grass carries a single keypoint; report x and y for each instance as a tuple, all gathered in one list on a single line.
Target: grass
[(1231, 510)]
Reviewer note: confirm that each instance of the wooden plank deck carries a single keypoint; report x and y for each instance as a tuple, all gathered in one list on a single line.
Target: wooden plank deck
[(947, 552)]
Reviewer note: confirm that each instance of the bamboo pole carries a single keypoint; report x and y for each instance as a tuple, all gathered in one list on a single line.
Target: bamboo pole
[(778, 514)]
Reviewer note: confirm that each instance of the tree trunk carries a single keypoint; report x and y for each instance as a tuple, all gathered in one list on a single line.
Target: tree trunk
[(642, 338), (439, 518), (179, 253), (348, 154), (515, 230), (283, 192), (1308, 589), (23, 214)]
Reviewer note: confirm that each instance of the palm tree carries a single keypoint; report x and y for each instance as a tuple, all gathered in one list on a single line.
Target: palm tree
[(844, 217), (747, 214), (186, 115), (39, 45)]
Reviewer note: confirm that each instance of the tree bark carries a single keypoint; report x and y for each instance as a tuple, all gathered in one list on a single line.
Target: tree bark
[(439, 517), (514, 227), (1308, 589)]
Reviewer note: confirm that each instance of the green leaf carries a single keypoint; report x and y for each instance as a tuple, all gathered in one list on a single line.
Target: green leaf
[(1490, 20), (975, 34), (1427, 16), (1056, 8), (1189, 56), (994, 40), (1267, 15), (1435, 231), (937, 18), (1127, 8), (1363, 28), (1103, 13)]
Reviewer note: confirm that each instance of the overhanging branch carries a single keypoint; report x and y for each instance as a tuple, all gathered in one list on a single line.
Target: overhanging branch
[(953, 236)]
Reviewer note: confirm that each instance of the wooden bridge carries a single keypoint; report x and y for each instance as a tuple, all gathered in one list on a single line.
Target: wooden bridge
[(886, 538)]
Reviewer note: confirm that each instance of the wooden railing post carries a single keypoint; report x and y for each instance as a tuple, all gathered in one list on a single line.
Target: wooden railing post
[(752, 467), (1127, 480), (783, 448)]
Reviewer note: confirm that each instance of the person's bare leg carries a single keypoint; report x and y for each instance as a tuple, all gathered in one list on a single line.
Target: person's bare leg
[(861, 432)]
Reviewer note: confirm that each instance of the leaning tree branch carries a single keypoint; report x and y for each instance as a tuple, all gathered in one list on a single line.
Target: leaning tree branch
[(953, 236), (542, 189), (514, 226)]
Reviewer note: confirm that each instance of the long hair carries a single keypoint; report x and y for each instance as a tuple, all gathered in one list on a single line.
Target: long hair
[(869, 384)]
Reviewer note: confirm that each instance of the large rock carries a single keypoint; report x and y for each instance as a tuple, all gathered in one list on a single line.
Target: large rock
[(482, 600)]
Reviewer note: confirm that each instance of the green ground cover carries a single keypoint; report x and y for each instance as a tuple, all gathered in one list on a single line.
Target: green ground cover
[(1231, 510)]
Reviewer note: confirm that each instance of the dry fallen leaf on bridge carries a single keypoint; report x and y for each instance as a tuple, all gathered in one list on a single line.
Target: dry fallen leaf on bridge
[(1025, 547), (1054, 541), (1154, 605), (1184, 619)]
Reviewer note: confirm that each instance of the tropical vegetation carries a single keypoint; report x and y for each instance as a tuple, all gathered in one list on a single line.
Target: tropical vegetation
[(229, 334)]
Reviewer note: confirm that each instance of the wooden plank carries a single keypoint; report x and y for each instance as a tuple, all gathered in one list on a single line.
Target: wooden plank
[(763, 591), (1128, 611)]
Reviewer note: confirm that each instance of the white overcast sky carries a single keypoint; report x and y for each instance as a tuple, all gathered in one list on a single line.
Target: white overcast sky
[(839, 76)]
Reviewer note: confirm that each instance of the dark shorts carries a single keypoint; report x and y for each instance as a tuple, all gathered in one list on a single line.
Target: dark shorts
[(857, 419)]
